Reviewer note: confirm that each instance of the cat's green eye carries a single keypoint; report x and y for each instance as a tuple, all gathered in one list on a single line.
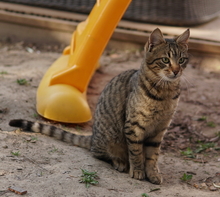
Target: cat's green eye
[(165, 60), (181, 60)]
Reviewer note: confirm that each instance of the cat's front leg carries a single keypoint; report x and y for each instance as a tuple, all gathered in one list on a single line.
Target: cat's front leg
[(152, 151), (134, 139)]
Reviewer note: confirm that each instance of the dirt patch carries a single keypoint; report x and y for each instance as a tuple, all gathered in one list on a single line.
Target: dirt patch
[(46, 167)]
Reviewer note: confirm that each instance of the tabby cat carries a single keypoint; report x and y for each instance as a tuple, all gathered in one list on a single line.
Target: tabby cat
[(134, 110)]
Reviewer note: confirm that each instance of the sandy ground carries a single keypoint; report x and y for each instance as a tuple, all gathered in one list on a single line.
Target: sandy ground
[(46, 167)]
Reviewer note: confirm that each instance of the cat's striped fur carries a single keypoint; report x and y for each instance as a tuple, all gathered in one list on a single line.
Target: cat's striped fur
[(134, 110)]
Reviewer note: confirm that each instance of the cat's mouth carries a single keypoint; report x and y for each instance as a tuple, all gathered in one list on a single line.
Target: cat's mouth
[(174, 76), (171, 78), (170, 75)]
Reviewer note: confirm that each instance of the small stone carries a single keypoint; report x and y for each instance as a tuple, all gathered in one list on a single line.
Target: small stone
[(212, 188), (196, 186), (5, 146), (182, 146), (39, 173), (28, 139), (217, 174), (17, 190), (2, 172), (203, 186), (209, 184)]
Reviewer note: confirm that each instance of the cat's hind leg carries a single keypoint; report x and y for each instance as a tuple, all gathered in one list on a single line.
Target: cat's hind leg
[(119, 156)]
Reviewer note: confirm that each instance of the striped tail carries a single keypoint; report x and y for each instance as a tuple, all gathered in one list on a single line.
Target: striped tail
[(28, 126)]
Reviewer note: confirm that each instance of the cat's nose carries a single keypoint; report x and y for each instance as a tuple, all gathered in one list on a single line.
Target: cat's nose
[(175, 72)]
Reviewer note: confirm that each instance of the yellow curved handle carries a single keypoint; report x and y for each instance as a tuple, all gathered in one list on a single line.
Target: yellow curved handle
[(88, 43)]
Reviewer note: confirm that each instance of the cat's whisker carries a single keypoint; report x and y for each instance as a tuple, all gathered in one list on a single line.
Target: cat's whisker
[(165, 83), (184, 77), (187, 78), (158, 83), (186, 83)]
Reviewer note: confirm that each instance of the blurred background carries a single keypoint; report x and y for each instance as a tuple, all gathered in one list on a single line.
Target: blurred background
[(59, 18)]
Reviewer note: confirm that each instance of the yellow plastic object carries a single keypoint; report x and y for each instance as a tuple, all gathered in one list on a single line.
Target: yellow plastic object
[(61, 95)]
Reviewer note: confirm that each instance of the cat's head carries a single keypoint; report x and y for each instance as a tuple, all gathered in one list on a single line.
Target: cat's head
[(167, 58)]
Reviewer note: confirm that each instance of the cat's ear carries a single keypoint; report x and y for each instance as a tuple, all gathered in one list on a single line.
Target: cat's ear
[(183, 38), (155, 38)]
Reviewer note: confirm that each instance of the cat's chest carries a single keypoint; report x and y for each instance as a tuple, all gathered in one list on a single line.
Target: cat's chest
[(152, 105), (162, 107), (154, 116), (150, 111)]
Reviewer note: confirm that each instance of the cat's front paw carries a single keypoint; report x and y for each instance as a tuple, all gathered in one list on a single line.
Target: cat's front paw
[(137, 174), (155, 178)]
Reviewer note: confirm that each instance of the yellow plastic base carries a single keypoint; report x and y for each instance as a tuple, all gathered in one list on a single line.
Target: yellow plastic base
[(61, 102)]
